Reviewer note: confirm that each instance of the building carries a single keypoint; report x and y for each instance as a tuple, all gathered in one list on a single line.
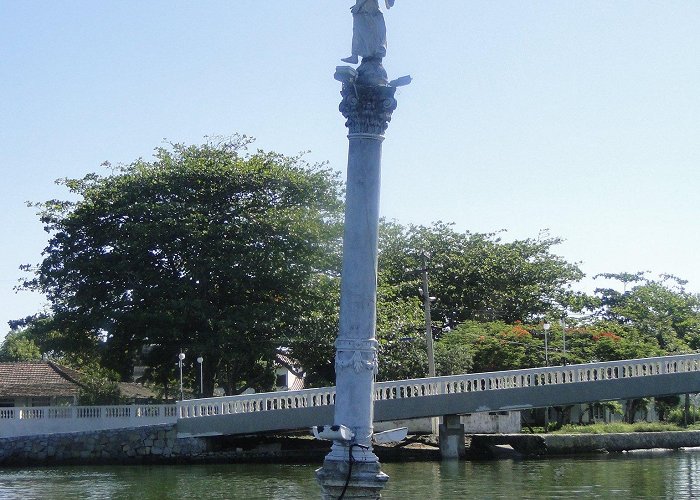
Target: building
[(46, 383), (38, 383)]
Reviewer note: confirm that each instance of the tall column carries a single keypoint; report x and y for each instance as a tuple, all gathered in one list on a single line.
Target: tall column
[(367, 105)]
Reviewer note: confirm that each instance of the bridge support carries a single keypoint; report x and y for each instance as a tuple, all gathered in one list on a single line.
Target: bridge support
[(368, 102), (452, 438)]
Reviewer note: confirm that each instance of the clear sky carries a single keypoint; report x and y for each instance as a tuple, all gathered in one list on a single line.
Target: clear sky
[(579, 117)]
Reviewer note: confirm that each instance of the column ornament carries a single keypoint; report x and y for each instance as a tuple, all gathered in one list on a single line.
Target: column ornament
[(358, 355), (367, 109)]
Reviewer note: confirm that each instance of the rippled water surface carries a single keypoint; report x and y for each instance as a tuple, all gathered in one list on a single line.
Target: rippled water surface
[(632, 475)]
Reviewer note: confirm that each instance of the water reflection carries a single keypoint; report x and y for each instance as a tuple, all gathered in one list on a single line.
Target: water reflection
[(632, 475)]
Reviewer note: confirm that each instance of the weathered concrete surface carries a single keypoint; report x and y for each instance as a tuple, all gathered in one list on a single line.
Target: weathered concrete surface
[(570, 444)]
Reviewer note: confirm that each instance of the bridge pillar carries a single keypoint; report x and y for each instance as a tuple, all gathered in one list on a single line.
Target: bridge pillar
[(367, 105), (452, 438)]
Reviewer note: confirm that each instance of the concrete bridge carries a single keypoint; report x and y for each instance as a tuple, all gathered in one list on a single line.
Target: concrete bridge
[(451, 395), (397, 400)]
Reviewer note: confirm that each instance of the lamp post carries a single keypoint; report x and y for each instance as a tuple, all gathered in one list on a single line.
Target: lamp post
[(200, 360), (546, 327), (180, 358)]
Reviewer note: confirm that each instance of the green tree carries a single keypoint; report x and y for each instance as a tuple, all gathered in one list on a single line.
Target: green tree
[(495, 345), (658, 309), (401, 335), (77, 350), (207, 248), (17, 346), (314, 346), (477, 276), (99, 386), (665, 404)]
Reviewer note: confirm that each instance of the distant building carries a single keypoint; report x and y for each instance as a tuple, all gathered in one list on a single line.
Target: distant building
[(289, 374), (45, 383), (40, 383)]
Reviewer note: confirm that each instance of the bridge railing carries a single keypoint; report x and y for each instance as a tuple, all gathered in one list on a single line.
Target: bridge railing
[(30, 421), (531, 377), (247, 403), (421, 387)]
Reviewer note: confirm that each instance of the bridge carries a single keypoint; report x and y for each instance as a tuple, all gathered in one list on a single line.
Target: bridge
[(396, 400), (449, 395)]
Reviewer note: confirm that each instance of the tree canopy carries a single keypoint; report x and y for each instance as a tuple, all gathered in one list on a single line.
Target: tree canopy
[(207, 248), (234, 256), (477, 276)]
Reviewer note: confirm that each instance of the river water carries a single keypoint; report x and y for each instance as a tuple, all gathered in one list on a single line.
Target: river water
[(670, 475)]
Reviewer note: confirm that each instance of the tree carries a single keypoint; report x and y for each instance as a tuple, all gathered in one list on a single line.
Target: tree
[(99, 386), (207, 248), (77, 350), (17, 346), (477, 276), (661, 310), (402, 347)]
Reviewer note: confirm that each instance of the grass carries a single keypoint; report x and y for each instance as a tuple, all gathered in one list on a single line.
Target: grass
[(617, 427)]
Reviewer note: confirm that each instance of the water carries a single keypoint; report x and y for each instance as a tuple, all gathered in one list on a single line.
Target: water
[(669, 475)]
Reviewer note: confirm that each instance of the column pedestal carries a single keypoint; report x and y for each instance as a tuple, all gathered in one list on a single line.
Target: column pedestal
[(366, 480)]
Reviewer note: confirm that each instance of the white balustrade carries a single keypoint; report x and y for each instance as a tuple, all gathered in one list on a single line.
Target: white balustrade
[(43, 420), (423, 387), (21, 421), (249, 403)]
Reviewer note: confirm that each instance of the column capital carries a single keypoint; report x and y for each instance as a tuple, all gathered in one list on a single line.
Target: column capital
[(367, 109)]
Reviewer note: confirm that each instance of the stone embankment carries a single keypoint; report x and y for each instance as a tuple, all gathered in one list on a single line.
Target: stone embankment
[(159, 444), (528, 445), (137, 445)]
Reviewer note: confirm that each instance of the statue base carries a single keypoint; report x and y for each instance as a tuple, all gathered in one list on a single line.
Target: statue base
[(366, 480), (371, 72)]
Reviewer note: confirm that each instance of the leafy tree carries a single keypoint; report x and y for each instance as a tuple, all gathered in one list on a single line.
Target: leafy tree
[(17, 346), (453, 360), (52, 342), (495, 345), (664, 405), (477, 276), (314, 347), (658, 309), (207, 248), (401, 335), (99, 386)]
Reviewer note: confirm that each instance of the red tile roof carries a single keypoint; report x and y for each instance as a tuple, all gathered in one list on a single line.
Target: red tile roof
[(37, 379)]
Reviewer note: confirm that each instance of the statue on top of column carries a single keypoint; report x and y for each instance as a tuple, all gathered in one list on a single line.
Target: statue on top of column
[(368, 31)]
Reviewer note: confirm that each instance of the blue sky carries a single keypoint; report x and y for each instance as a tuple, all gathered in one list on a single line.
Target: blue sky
[(577, 117)]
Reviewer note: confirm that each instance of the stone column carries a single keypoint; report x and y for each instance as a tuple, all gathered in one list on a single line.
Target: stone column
[(367, 104)]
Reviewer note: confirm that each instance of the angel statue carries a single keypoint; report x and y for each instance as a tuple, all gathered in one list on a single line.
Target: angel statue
[(368, 30)]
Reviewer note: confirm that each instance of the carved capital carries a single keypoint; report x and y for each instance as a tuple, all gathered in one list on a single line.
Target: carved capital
[(367, 109)]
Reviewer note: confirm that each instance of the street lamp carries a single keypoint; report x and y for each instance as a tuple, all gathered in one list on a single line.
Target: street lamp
[(546, 327), (200, 360), (181, 357)]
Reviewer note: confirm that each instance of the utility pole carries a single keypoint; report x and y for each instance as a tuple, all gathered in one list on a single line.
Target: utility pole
[(428, 321), (546, 327), (562, 322)]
